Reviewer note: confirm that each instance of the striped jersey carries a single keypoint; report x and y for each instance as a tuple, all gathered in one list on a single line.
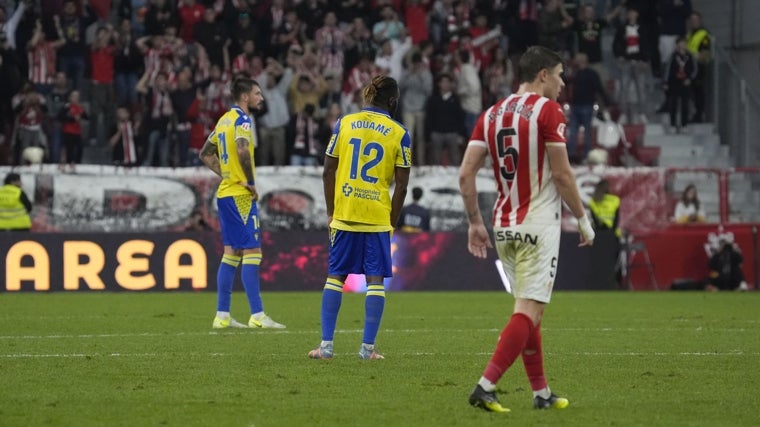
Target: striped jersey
[(233, 125), (370, 145), (516, 131)]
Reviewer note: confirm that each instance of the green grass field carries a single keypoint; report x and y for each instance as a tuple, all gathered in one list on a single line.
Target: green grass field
[(623, 359)]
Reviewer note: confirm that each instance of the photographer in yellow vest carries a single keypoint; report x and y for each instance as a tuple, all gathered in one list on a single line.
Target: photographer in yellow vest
[(605, 215), (14, 205)]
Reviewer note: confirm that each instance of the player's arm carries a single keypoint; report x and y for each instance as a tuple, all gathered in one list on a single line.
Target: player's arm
[(564, 179), (209, 157), (478, 241), (246, 162), (401, 177), (328, 181)]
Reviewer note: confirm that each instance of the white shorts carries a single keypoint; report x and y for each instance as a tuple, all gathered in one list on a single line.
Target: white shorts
[(529, 254)]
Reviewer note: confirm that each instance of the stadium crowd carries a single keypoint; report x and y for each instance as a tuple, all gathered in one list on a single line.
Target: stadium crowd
[(146, 80)]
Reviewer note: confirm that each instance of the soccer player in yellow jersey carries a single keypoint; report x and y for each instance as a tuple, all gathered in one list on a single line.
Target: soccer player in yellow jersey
[(368, 150), (228, 152)]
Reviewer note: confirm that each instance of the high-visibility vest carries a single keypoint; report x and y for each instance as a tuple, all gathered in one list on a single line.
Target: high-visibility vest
[(694, 40), (13, 214), (606, 210)]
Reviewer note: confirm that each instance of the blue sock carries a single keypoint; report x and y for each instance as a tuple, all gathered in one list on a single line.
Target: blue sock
[(224, 278), (250, 276), (374, 304), (332, 296)]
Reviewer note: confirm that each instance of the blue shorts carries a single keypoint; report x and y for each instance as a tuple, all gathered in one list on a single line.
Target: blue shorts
[(354, 252), (239, 220)]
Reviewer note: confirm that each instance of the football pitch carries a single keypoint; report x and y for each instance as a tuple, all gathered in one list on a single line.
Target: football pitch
[(152, 359)]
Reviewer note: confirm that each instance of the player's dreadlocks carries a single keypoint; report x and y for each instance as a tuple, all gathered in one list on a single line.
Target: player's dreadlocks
[(382, 92)]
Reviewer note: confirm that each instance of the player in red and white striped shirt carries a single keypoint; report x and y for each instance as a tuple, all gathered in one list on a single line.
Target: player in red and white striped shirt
[(524, 136)]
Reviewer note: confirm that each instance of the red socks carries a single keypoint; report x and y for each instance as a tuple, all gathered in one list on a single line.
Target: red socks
[(533, 359), (511, 343)]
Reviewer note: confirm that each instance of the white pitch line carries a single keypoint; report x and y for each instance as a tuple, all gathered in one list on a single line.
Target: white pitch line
[(355, 331), (84, 355), (416, 354)]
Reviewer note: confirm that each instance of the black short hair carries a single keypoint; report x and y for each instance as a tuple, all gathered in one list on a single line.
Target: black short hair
[(416, 193), (12, 177), (535, 59), (242, 85)]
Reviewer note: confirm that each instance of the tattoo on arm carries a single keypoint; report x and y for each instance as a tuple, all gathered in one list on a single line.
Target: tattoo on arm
[(246, 161), (209, 157)]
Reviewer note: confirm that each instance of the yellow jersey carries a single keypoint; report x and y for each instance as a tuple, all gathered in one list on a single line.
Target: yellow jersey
[(369, 145), (233, 125)]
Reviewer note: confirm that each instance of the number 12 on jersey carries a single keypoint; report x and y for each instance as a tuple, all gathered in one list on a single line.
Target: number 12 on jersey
[(373, 151)]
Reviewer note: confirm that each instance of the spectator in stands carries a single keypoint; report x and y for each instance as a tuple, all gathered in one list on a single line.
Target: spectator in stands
[(414, 218), (274, 123), (242, 62), (312, 14), (243, 32), (630, 49), (304, 136), (673, 17), (71, 116), (212, 35), (333, 93), (726, 269), (447, 130), (553, 26), (680, 71), (389, 27), (71, 57), (202, 121), (159, 111), (15, 205), (182, 97), (359, 43), (588, 30), (128, 64), (688, 209), (56, 99), (698, 42), (29, 107), (389, 59), (102, 53), (352, 9), (159, 15), (416, 86), (273, 17), (123, 141), (587, 88), (457, 24), (468, 88), (42, 54), (190, 13), (520, 18), (289, 33), (497, 78), (306, 88), (330, 44), (415, 15)]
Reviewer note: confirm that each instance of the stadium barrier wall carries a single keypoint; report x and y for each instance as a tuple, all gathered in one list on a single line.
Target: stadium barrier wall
[(110, 206), (297, 260)]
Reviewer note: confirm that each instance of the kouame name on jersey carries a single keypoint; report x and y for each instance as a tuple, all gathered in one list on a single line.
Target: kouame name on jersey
[(516, 131), (233, 125), (369, 145)]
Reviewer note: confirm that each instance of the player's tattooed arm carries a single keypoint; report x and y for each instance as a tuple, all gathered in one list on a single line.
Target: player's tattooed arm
[(246, 161), (209, 157)]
